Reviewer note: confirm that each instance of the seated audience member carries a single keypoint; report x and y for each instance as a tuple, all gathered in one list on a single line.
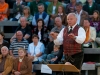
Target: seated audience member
[(95, 22), (90, 7), (2, 41), (50, 48), (71, 7), (58, 26), (18, 42), (6, 61), (40, 15), (36, 50), (3, 10), (22, 64), (52, 8), (80, 13), (17, 9), (26, 30), (90, 35), (34, 7), (41, 31), (52, 57), (61, 14), (26, 13)]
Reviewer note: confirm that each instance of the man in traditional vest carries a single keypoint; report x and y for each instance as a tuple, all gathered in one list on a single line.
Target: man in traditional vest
[(72, 38)]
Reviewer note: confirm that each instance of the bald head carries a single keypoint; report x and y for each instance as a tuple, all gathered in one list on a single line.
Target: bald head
[(19, 32), (19, 35), (58, 21), (23, 21), (23, 18), (58, 18), (71, 19)]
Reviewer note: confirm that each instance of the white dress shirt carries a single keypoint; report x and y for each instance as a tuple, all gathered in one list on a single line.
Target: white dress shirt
[(79, 39), (78, 17)]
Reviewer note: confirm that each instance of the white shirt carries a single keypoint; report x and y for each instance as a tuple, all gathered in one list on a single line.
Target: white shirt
[(53, 11), (78, 17), (39, 34), (79, 39)]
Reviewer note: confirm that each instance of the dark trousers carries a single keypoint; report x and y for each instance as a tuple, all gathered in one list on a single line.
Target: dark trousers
[(75, 60)]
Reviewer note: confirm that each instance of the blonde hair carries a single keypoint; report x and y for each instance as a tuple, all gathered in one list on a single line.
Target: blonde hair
[(26, 8), (22, 49)]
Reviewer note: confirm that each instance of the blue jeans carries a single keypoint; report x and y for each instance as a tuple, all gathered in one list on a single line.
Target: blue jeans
[(49, 57)]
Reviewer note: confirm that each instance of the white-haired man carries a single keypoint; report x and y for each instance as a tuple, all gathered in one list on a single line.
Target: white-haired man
[(6, 61), (72, 38)]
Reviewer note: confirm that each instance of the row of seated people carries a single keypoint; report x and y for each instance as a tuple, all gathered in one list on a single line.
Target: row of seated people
[(19, 39), (78, 7), (20, 56), (35, 51), (37, 9)]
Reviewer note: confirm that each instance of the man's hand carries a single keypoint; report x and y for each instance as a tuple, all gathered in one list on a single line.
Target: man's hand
[(71, 35), (53, 35), (17, 73), (1, 74), (68, 63)]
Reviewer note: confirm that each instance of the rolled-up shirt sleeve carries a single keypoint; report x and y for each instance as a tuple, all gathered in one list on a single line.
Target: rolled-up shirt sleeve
[(59, 40), (42, 48), (81, 36)]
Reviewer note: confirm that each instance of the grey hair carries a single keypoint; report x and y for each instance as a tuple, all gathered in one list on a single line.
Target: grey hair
[(4, 47), (72, 14), (23, 17), (41, 4), (58, 18)]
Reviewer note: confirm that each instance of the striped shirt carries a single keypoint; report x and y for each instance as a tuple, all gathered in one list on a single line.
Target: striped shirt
[(15, 45)]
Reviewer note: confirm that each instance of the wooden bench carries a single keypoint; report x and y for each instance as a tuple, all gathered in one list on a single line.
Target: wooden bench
[(8, 23), (97, 65)]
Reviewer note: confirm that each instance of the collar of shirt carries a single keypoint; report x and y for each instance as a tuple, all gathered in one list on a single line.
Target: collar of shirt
[(60, 14), (40, 13), (79, 12), (69, 27)]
